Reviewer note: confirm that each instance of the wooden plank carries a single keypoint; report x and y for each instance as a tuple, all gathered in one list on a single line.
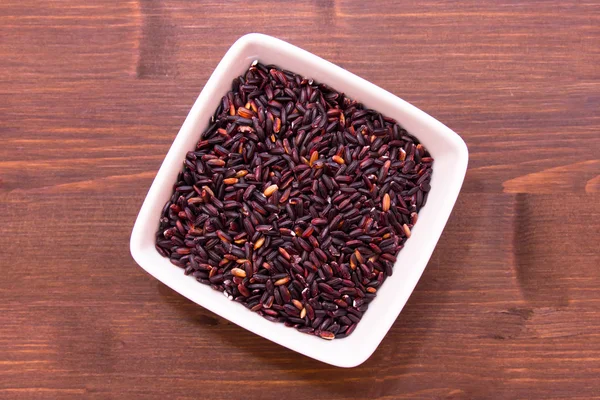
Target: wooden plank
[(92, 95)]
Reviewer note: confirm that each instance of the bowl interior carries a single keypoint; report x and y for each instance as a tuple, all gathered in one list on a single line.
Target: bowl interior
[(445, 146)]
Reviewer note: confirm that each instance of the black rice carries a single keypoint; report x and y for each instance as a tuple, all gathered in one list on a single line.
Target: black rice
[(295, 201)]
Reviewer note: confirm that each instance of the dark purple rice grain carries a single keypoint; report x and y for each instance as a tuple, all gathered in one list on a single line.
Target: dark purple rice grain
[(281, 206)]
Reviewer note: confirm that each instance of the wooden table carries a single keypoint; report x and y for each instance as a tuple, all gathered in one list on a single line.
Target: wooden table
[(92, 95)]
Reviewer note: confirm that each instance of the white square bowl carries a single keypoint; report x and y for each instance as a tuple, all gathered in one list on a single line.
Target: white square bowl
[(446, 147)]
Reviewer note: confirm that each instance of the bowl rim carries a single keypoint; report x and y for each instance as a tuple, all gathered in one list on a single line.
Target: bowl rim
[(354, 352)]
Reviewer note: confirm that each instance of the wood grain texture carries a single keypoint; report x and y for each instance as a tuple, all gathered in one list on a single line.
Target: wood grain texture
[(92, 95)]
